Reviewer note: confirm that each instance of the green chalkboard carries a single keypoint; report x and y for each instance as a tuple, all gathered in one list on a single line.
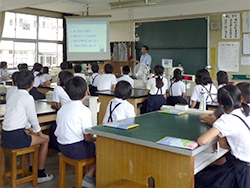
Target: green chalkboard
[(184, 41)]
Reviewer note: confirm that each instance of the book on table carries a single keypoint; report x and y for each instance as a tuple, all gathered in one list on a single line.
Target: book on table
[(173, 112), (178, 142), (121, 125)]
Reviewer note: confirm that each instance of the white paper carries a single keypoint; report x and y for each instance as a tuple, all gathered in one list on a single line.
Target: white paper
[(246, 22), (245, 60), (231, 26), (228, 56), (246, 44)]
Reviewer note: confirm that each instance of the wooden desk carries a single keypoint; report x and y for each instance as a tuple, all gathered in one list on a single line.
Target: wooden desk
[(138, 96), (44, 90), (135, 156)]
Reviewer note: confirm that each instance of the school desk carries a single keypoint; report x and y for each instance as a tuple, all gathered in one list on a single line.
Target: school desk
[(138, 96), (134, 154), (44, 89)]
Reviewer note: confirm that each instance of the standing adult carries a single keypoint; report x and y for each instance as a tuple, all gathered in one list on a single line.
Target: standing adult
[(145, 58)]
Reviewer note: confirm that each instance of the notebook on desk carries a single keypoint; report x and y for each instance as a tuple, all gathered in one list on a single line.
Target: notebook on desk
[(173, 112), (121, 125)]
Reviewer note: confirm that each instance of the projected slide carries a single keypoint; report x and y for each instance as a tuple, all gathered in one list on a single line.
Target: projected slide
[(87, 37)]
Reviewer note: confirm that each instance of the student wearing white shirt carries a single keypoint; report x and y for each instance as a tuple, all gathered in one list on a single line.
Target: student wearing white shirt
[(107, 81), (19, 110), (60, 96), (47, 76), (157, 88), (204, 84), (126, 77), (145, 58), (72, 120), (94, 79), (119, 108), (176, 89), (235, 126), (78, 71), (3, 71), (222, 79), (13, 88)]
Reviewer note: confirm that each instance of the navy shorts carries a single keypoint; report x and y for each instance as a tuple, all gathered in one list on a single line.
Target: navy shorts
[(79, 150), (16, 139)]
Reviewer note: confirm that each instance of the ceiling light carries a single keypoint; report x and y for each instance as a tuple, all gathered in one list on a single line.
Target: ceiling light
[(131, 3)]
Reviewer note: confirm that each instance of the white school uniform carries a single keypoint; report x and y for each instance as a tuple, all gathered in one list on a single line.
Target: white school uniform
[(146, 59), (128, 79), (123, 111), (80, 75), (72, 120), (19, 110), (94, 79), (48, 77), (4, 73), (221, 85), (176, 88), (38, 79), (60, 95), (236, 132), (151, 85), (196, 95), (12, 90), (106, 81)]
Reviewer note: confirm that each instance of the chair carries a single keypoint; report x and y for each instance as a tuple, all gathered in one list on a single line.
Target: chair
[(77, 164), (11, 177)]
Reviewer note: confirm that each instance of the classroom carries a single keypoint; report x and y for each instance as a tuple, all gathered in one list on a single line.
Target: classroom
[(194, 40)]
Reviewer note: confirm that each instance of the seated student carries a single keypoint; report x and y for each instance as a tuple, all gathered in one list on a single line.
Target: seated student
[(176, 89), (63, 66), (47, 76), (3, 71), (203, 84), (126, 77), (13, 88), (157, 88), (118, 108), (60, 97), (78, 71), (72, 120), (222, 79), (22, 66), (107, 81), (19, 110), (94, 79), (235, 126)]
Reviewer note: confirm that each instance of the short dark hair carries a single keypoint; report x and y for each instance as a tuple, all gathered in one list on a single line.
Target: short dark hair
[(46, 70), (77, 68), (37, 67), (123, 90), (24, 79), (108, 68), (146, 48), (3, 64), (125, 69), (245, 90), (63, 65), (69, 65), (14, 77), (222, 77), (22, 66), (203, 77), (76, 88), (64, 77), (95, 67)]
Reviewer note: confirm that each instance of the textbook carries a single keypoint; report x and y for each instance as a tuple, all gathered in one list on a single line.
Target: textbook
[(178, 142), (45, 100), (121, 125), (173, 111)]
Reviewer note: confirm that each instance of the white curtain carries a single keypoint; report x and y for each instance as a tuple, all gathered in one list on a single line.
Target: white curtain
[(2, 17)]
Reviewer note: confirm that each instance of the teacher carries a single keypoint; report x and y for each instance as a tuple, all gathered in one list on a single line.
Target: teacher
[(145, 58)]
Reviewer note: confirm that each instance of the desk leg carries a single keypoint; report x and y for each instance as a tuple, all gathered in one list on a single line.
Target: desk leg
[(118, 160)]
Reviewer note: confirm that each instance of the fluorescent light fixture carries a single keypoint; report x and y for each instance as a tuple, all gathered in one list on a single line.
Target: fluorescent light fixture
[(131, 3)]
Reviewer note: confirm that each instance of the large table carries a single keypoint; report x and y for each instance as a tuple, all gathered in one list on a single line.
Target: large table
[(138, 96), (135, 156)]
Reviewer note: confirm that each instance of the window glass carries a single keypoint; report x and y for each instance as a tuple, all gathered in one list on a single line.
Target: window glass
[(9, 25), (26, 26), (6, 52), (24, 53), (48, 28), (47, 54)]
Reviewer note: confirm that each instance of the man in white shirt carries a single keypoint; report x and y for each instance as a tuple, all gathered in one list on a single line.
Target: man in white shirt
[(126, 77), (145, 57)]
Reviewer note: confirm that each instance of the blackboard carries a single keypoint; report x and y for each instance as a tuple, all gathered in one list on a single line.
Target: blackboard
[(184, 41)]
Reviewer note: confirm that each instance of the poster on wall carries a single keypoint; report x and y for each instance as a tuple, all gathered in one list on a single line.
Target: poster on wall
[(246, 22), (228, 56), (246, 44), (230, 26)]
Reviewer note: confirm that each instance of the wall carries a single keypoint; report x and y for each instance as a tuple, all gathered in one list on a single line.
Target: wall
[(121, 31)]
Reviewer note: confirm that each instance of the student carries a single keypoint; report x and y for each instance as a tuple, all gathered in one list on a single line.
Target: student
[(94, 79), (107, 81), (78, 71), (176, 89), (222, 79), (204, 84), (157, 88), (47, 76), (234, 125), (22, 66), (63, 66), (72, 120), (60, 97), (19, 110), (118, 108), (13, 88), (126, 77), (3, 71)]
